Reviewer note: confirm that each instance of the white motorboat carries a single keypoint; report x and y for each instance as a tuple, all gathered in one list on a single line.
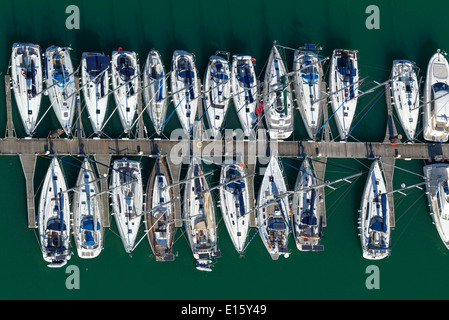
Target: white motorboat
[(308, 84), (87, 214), (374, 219), (61, 88), (437, 191), (436, 99), (155, 90), (217, 93), (234, 202), (95, 83), (185, 89), (54, 217), (344, 89), (273, 211), (308, 210), (127, 200), (125, 84), (277, 98), (405, 93), (26, 78), (199, 214), (159, 218), (244, 91)]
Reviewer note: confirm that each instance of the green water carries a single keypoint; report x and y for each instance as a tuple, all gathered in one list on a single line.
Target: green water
[(417, 268)]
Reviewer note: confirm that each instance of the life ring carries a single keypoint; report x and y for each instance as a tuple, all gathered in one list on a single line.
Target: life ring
[(199, 144), (120, 49), (253, 60)]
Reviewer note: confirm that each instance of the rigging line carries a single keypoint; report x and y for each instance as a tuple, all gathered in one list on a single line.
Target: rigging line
[(171, 114), (301, 170), (405, 170)]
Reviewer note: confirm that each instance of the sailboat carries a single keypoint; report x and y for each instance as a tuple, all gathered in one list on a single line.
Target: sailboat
[(155, 89), (308, 84), (437, 190), (159, 219), (61, 88), (307, 217), (125, 84), (95, 82), (199, 215), (217, 92), (127, 200), (374, 216), (26, 76), (277, 97), (88, 214), (244, 91), (185, 88), (405, 92), (343, 85), (436, 99), (234, 202), (272, 211), (54, 217)]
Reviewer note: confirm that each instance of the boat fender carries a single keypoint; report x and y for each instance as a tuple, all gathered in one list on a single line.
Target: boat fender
[(253, 60)]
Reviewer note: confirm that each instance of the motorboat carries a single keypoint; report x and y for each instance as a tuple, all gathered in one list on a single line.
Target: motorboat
[(308, 84), (308, 209), (54, 217), (273, 211), (125, 84), (344, 88), (95, 83), (87, 213), (437, 190), (244, 91), (404, 88), (277, 97), (127, 200), (159, 216), (199, 214), (374, 219), (26, 78), (185, 89), (61, 87), (155, 90), (234, 202), (217, 93), (436, 99)]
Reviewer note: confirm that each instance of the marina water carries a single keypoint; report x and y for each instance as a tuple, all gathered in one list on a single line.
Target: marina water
[(411, 30)]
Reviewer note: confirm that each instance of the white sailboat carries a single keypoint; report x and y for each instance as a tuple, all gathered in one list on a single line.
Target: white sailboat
[(437, 191), (125, 84), (277, 97), (436, 99), (374, 216), (127, 200), (185, 88), (244, 91), (26, 78), (88, 214), (307, 216), (95, 82), (234, 203), (273, 211), (199, 214), (308, 84), (54, 217), (405, 92), (155, 89), (343, 87), (61, 88), (217, 92)]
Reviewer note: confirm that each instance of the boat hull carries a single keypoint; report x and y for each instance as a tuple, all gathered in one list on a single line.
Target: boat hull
[(277, 98), (26, 78), (61, 86), (127, 200), (155, 90)]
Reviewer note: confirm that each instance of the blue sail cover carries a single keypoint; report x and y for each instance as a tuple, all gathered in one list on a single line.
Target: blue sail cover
[(311, 219), (97, 64), (276, 224)]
